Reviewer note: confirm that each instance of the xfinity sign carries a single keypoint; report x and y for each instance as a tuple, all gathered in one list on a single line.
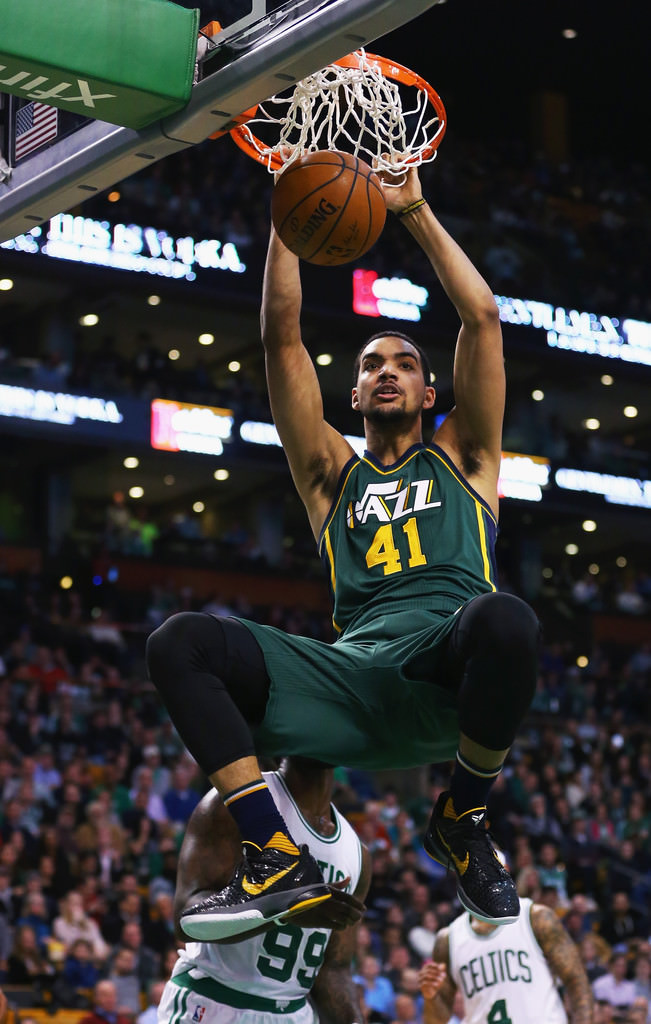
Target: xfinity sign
[(39, 87)]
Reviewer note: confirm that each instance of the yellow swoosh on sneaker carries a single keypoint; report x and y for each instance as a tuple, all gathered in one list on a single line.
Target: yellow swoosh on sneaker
[(255, 888), (461, 865)]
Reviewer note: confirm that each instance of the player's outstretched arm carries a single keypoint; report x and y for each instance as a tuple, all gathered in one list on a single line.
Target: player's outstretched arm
[(316, 452), (562, 956), (436, 985), (475, 426), (334, 992)]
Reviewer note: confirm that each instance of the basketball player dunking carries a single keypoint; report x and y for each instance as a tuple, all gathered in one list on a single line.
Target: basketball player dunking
[(507, 975), (431, 662)]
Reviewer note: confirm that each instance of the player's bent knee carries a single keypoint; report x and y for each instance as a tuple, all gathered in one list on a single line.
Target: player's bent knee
[(504, 621), (177, 645)]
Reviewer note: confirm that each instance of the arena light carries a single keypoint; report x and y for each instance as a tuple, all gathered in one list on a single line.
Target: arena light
[(206, 338), (153, 300), (630, 411), (572, 330), (198, 506), (89, 320), (397, 298), (131, 462), (136, 492), (221, 474), (324, 359), (616, 490), (6, 284), (571, 549), (522, 476), (235, 366), (185, 427), (588, 526)]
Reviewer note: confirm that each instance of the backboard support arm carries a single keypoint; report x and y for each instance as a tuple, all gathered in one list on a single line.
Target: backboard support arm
[(99, 154)]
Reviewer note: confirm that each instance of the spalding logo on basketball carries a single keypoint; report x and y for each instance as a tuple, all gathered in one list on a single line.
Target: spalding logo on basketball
[(328, 207)]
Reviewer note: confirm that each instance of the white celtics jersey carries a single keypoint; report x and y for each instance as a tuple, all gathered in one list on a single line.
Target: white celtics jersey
[(503, 976), (282, 963)]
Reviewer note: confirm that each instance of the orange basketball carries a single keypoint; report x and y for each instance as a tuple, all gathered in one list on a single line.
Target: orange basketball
[(328, 207)]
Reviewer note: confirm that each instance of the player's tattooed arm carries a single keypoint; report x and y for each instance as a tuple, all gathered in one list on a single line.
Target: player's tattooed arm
[(564, 962), (436, 985), (334, 993)]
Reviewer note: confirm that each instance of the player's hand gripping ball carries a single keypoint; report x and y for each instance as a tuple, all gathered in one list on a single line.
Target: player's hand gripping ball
[(328, 207)]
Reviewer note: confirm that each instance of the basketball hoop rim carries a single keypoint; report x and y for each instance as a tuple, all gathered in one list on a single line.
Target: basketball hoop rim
[(245, 139)]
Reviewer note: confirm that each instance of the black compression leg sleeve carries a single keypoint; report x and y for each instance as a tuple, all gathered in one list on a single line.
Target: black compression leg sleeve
[(494, 650), (211, 676)]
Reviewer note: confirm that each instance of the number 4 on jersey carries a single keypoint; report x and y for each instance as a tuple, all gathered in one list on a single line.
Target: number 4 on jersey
[(498, 1013)]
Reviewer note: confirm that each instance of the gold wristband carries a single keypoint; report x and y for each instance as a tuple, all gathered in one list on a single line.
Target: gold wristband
[(412, 206)]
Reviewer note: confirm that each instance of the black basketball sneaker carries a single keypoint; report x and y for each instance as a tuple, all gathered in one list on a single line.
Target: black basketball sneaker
[(268, 884), (484, 886)]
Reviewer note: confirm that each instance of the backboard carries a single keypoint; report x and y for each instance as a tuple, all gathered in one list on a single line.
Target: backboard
[(256, 56)]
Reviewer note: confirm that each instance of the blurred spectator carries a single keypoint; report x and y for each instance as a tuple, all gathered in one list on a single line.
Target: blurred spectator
[(159, 932), (642, 976), (379, 994), (105, 1006), (150, 1014), (160, 774), (552, 871), (614, 985), (622, 921), (604, 1013), (35, 915), (639, 1012), (421, 937), (539, 824), (27, 964), (593, 961), (79, 971), (73, 923), (149, 803), (180, 799), (127, 985), (147, 962), (405, 1010)]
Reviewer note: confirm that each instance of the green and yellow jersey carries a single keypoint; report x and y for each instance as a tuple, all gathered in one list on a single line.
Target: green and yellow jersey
[(413, 535)]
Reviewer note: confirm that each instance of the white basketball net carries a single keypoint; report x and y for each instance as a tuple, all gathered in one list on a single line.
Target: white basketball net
[(355, 109)]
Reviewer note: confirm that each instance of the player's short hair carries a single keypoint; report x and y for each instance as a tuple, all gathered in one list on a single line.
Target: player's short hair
[(424, 361)]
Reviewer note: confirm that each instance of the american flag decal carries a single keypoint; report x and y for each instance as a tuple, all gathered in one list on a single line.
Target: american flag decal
[(36, 124)]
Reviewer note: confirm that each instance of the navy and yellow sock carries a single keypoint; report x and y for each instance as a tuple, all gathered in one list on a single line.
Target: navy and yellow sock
[(470, 784), (258, 819)]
